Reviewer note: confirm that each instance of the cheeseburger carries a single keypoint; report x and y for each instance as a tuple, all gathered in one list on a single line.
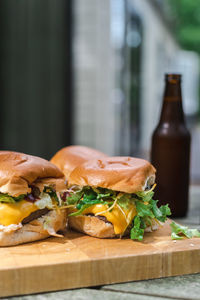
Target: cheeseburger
[(113, 196), (31, 192), (72, 156)]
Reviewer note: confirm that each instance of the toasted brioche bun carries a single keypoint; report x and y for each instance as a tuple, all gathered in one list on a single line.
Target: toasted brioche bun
[(70, 157), (18, 171), (92, 226), (124, 174), (34, 230), (97, 228)]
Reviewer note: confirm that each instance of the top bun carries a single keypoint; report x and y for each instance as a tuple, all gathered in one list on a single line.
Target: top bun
[(18, 171), (125, 174), (70, 157)]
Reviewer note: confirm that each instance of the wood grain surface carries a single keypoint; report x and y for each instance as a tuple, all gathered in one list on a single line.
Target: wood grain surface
[(81, 261)]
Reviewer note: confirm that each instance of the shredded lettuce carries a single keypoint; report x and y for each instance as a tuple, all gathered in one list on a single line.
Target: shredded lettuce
[(44, 201), (179, 231), (47, 222)]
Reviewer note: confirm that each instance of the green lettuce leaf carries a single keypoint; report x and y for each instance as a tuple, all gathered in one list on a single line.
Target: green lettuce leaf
[(104, 196), (87, 197), (145, 196), (5, 198), (125, 200), (166, 211), (175, 236), (102, 192), (83, 205), (147, 210), (137, 232), (144, 210), (75, 197), (179, 231), (161, 212)]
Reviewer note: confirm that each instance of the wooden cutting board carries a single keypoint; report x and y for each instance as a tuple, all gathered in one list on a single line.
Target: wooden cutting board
[(81, 261)]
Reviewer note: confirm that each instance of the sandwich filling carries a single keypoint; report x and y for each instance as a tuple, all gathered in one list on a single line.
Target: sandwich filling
[(133, 212), (15, 211)]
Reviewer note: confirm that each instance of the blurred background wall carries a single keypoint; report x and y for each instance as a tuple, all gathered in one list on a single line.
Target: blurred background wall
[(122, 49), (92, 72), (35, 75)]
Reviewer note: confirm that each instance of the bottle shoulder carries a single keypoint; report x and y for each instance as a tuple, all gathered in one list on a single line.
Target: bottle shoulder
[(171, 129)]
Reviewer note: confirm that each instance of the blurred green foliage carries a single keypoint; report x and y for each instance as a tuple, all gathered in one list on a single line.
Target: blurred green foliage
[(186, 14)]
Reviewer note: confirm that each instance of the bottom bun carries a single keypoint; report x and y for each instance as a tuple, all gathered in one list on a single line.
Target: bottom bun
[(92, 226), (37, 229), (96, 227)]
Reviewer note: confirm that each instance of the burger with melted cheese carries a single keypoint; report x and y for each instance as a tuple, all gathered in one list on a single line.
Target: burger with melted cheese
[(72, 156), (31, 191), (113, 196)]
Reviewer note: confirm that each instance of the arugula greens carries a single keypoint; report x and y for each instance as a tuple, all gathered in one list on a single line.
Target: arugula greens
[(144, 210), (146, 207), (147, 210), (124, 201), (179, 231), (75, 197), (137, 231), (145, 196), (160, 213), (88, 198)]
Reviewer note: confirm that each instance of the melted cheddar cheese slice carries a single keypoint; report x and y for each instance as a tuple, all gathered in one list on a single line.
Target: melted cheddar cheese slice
[(119, 219), (14, 213)]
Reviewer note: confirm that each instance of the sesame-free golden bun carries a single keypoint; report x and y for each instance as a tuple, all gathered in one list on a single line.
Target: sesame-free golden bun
[(18, 171), (92, 226), (70, 157), (125, 174), (95, 227)]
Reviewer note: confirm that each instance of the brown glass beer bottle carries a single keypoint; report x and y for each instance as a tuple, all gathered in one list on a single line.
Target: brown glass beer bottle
[(170, 152)]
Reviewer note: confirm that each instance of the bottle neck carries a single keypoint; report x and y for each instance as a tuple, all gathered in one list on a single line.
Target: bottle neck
[(172, 108)]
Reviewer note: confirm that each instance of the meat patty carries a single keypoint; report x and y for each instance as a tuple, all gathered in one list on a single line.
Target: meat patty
[(102, 218), (35, 215)]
